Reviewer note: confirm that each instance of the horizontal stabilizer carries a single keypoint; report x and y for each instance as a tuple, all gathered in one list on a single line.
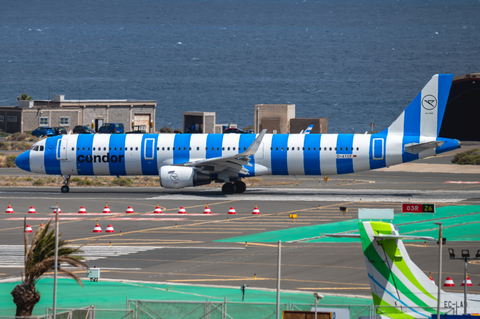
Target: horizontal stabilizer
[(415, 148), (344, 235), (406, 237)]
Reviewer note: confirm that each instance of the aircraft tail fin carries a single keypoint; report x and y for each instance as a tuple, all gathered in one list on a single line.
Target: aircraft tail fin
[(424, 116)]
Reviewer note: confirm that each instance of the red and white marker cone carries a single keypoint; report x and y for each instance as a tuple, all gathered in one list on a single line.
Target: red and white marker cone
[(59, 211), (9, 209), (28, 229), (231, 211), (256, 211), (182, 210), (157, 210), (431, 279), (82, 210), (449, 282), (31, 210), (207, 210), (106, 210), (97, 228), (129, 210), (109, 229), (469, 282)]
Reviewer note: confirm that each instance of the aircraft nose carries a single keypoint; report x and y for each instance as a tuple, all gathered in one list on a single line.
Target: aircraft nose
[(23, 161)]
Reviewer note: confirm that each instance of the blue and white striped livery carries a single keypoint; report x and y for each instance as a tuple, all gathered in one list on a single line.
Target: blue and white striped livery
[(182, 160)]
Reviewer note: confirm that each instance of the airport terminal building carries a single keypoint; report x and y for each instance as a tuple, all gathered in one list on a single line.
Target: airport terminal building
[(29, 115)]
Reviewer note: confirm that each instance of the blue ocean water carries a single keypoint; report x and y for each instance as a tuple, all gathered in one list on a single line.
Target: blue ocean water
[(354, 61)]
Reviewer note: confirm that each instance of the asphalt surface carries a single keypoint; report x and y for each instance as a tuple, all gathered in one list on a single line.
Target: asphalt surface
[(180, 248)]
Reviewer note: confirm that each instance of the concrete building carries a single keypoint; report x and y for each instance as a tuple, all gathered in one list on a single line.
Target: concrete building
[(29, 115), (203, 122), (274, 117), (320, 125), (280, 119)]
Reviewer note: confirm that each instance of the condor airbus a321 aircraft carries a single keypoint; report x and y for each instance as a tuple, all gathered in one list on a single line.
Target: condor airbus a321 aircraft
[(182, 160)]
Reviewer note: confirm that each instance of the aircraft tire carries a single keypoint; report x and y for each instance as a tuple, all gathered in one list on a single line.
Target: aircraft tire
[(240, 187), (228, 188), (65, 189)]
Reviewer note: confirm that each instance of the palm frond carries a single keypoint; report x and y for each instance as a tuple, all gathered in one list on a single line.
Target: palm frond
[(72, 275)]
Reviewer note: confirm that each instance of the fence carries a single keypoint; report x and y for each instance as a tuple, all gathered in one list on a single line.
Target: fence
[(148, 309), (89, 313)]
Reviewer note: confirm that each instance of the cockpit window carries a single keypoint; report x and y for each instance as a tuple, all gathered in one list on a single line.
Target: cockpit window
[(41, 148), (35, 148)]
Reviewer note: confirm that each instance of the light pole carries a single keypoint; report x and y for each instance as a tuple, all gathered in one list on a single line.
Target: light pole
[(55, 265), (465, 257), (279, 272), (440, 235), (317, 299)]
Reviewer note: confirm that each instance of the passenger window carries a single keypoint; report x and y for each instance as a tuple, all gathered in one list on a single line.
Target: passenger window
[(94, 148), (228, 149), (335, 148), (213, 148), (346, 148), (244, 148), (168, 148), (341, 148), (163, 148), (184, 148), (324, 148), (330, 148), (136, 148), (131, 148), (115, 149), (83, 148), (41, 148), (314, 148), (303, 148), (234, 148), (218, 148), (88, 149), (298, 148), (223, 148), (357, 148), (271, 148), (206, 148), (282, 148), (276, 148), (287, 148), (104, 148), (198, 148), (73, 148), (308, 148), (109, 148), (173, 148)]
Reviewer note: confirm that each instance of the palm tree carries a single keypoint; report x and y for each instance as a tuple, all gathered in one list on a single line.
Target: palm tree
[(40, 258), (24, 97)]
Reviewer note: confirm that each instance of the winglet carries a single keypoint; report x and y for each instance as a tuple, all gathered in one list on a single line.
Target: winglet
[(252, 149)]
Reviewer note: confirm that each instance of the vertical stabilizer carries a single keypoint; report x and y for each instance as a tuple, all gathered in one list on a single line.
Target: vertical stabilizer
[(423, 117), (399, 288)]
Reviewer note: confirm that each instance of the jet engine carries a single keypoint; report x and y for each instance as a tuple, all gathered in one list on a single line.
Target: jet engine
[(180, 176)]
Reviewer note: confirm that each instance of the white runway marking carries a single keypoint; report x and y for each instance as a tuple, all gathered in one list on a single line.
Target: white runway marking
[(315, 195), (12, 255)]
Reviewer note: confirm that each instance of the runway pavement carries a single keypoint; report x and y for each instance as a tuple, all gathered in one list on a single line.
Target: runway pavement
[(181, 248)]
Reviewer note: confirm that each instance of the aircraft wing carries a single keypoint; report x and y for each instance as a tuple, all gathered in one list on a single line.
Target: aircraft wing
[(415, 148), (234, 162)]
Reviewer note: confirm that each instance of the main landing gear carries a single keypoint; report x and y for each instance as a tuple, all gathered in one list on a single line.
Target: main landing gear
[(66, 180), (235, 187)]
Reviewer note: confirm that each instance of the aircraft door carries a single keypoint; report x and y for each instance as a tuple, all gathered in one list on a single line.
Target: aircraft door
[(61, 149), (149, 149), (378, 148)]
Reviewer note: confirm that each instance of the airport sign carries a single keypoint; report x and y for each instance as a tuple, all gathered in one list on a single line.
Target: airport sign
[(418, 208)]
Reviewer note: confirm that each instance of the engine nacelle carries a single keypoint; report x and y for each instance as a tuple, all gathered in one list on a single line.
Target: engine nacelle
[(180, 176)]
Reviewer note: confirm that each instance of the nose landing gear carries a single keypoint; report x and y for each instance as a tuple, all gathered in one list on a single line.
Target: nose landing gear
[(66, 180)]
